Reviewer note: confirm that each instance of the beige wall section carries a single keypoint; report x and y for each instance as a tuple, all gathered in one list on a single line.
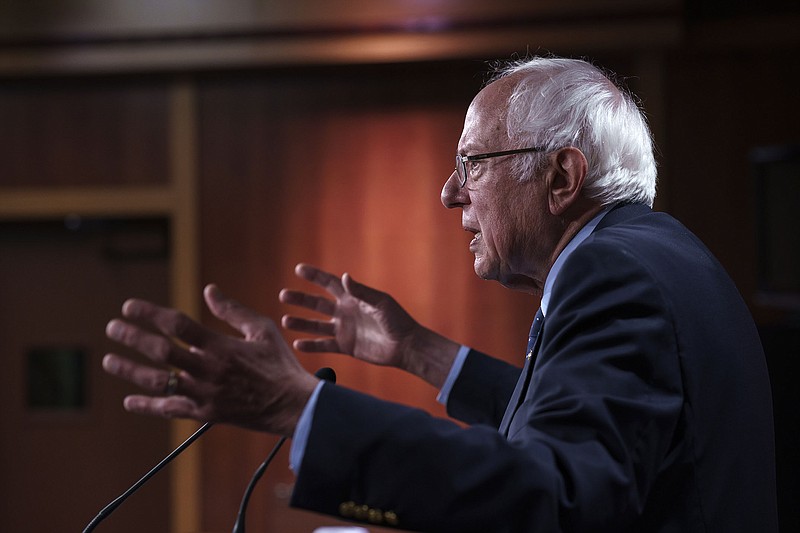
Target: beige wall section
[(21, 203), (91, 36), (185, 479), (334, 48), (156, 18)]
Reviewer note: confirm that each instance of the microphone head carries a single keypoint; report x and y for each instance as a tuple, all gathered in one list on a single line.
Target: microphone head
[(326, 374)]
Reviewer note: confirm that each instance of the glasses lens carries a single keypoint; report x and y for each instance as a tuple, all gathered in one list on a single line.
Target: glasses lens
[(461, 170)]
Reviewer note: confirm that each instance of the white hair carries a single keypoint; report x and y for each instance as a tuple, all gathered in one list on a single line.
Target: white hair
[(561, 102)]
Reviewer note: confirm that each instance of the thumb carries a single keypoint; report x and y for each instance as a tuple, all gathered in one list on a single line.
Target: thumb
[(362, 292), (249, 323)]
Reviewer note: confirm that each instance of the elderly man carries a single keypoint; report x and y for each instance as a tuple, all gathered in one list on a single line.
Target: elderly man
[(643, 403)]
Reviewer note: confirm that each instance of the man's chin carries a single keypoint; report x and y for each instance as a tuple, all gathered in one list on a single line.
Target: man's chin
[(482, 270), (511, 281)]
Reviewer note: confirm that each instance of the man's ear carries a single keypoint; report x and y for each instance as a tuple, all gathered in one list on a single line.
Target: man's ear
[(569, 168)]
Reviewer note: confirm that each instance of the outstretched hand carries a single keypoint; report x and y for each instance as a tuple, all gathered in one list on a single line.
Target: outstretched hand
[(253, 381), (366, 323), (362, 322)]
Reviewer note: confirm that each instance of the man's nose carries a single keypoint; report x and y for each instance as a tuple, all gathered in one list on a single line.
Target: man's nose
[(453, 195)]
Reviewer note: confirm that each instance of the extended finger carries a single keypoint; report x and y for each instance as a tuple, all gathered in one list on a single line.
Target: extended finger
[(326, 280), (304, 325), (317, 345), (151, 379), (251, 324), (308, 301), (169, 321), (155, 347), (170, 407)]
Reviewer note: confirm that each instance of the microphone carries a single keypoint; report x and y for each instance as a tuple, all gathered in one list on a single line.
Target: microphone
[(108, 509), (325, 374)]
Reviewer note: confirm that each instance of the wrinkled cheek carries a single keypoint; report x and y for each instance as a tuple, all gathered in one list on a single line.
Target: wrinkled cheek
[(510, 258)]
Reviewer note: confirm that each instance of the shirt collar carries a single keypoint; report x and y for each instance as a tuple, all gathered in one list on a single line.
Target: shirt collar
[(579, 237)]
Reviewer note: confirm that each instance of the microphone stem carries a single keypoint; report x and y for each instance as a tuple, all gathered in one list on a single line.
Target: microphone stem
[(239, 526), (108, 509), (326, 374)]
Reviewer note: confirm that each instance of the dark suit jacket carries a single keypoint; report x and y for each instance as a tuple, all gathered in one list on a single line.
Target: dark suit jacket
[(649, 410)]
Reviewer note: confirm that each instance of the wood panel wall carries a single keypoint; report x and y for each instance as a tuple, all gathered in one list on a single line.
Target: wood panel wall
[(335, 156)]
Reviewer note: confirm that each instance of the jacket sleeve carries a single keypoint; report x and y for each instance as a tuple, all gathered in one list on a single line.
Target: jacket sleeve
[(582, 451), (482, 390)]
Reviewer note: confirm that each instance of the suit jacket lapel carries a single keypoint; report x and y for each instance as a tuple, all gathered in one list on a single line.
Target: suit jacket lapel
[(524, 380)]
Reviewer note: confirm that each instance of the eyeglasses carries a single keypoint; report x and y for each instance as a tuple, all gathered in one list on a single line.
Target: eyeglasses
[(461, 160)]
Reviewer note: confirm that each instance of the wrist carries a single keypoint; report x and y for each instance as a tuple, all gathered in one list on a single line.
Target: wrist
[(291, 408), (430, 356)]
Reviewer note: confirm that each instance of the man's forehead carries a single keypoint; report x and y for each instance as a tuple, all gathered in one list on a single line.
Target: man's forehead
[(486, 116), (494, 97)]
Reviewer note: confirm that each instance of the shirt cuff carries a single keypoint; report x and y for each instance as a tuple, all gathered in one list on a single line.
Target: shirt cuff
[(455, 370), (303, 429)]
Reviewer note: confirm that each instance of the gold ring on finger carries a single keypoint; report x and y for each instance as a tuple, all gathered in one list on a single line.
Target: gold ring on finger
[(172, 383)]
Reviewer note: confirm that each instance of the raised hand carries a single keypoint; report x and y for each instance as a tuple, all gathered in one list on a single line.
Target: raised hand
[(361, 321), (367, 324), (254, 381)]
